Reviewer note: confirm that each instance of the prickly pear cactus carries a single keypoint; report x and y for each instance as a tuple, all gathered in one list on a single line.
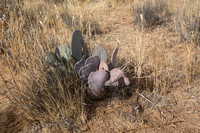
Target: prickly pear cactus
[(103, 66), (94, 72), (113, 58), (77, 45), (49, 58), (54, 68), (96, 81), (78, 65), (117, 78), (85, 71), (101, 52), (94, 60), (63, 53)]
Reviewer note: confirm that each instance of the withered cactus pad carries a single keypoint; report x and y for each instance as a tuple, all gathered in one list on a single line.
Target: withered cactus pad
[(103, 66), (117, 78), (94, 60), (96, 81), (78, 65), (49, 58), (85, 71)]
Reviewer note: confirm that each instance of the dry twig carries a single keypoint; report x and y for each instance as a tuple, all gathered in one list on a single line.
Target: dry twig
[(154, 126)]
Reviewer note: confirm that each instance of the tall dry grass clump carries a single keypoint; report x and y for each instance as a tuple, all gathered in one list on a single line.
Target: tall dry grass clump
[(187, 22), (150, 13), (46, 99), (187, 27), (154, 62), (150, 58)]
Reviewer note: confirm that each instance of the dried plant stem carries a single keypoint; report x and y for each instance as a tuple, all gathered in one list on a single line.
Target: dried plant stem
[(17, 102), (14, 79), (146, 99), (19, 71), (154, 126), (18, 89), (112, 110)]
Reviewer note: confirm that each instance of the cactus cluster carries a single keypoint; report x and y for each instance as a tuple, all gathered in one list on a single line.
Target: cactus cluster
[(96, 74), (61, 61), (92, 70)]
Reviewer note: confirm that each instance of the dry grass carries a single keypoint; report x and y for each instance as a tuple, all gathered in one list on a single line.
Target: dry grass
[(151, 13), (154, 59), (40, 92), (157, 56), (187, 23)]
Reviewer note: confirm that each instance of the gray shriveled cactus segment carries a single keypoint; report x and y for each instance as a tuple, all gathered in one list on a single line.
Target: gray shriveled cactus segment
[(114, 55), (101, 52), (49, 58), (55, 68), (113, 58)]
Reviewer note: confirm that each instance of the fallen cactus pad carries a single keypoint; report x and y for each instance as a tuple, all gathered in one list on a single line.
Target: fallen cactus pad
[(117, 78)]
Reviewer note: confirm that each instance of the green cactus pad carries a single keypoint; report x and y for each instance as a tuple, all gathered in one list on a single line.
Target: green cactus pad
[(101, 52), (49, 58), (77, 45), (63, 53)]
